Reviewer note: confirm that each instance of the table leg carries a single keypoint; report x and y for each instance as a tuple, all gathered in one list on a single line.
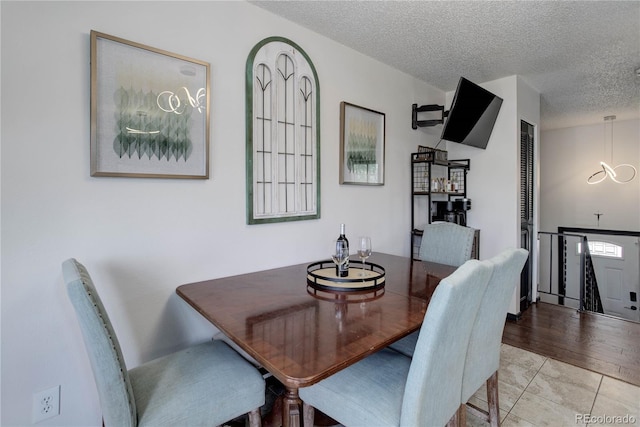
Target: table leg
[(291, 408)]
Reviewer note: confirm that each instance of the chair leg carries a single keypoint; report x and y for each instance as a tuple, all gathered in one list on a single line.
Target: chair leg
[(308, 414), (462, 415), (492, 399), (254, 418), (455, 420)]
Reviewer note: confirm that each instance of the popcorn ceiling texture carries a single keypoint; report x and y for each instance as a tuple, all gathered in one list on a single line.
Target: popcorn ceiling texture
[(581, 56)]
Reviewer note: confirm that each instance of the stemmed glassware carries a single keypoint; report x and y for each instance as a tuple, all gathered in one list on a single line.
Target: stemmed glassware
[(341, 255), (364, 250)]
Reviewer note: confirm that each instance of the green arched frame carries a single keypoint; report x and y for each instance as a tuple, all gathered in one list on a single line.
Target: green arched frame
[(297, 55)]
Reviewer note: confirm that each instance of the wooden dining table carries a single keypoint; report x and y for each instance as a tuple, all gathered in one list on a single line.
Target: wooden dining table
[(301, 336)]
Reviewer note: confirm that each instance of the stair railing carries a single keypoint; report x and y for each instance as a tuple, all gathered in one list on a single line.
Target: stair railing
[(589, 295)]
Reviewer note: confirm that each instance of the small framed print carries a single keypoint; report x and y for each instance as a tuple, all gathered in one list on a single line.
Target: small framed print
[(149, 111), (362, 140)]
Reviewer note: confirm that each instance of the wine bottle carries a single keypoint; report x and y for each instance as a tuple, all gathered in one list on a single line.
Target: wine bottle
[(342, 270)]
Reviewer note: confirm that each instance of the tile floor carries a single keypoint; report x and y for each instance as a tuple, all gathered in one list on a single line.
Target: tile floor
[(538, 391)]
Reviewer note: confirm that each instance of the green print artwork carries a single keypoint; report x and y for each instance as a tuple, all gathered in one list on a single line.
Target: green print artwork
[(361, 143), (153, 124)]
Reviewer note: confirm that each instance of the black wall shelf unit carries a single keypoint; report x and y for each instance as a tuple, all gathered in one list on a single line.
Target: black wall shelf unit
[(423, 165)]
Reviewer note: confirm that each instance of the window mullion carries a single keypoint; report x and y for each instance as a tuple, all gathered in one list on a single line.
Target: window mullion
[(275, 199)]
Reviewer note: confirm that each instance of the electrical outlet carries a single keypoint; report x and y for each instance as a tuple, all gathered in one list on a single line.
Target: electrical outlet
[(46, 404)]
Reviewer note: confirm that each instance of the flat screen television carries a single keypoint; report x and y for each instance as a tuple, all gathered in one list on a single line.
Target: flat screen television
[(472, 115)]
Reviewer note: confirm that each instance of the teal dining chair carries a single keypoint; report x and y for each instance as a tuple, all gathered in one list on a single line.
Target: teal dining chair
[(444, 243), (483, 355), (205, 384), (390, 389)]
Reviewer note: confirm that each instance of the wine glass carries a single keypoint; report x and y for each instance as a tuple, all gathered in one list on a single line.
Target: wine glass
[(364, 250), (341, 255)]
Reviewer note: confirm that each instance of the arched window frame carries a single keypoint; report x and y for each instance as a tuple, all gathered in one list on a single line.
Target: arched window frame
[(603, 249), (274, 195)]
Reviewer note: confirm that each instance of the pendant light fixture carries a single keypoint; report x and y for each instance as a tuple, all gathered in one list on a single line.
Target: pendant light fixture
[(620, 174)]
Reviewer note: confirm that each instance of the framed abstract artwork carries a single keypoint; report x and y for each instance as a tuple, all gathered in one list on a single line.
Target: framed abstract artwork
[(362, 140), (149, 111)]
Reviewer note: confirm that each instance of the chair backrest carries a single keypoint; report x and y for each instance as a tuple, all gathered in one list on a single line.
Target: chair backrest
[(446, 243), (109, 369), (483, 354), (433, 389)]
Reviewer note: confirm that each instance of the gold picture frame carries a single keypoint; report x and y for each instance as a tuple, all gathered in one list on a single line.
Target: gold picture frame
[(149, 111), (362, 145)]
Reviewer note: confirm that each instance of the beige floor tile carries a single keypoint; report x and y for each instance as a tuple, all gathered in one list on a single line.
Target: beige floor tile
[(482, 404), (619, 390), (485, 407), (571, 374), (564, 393), (516, 375), (517, 356), (514, 421), (473, 421), (508, 394), (542, 412), (536, 391), (614, 412)]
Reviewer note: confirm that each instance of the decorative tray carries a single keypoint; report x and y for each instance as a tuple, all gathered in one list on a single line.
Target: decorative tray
[(322, 276)]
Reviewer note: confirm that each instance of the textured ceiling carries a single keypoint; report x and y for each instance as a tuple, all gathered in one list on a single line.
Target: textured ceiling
[(581, 56)]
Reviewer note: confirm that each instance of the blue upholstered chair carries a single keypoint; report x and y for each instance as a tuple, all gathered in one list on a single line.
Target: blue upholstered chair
[(483, 354), (206, 384), (390, 389), (444, 243)]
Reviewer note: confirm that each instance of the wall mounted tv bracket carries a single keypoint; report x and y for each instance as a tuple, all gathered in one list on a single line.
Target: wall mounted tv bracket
[(415, 123)]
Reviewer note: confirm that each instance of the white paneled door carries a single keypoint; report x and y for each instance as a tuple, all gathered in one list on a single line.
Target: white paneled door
[(616, 262)]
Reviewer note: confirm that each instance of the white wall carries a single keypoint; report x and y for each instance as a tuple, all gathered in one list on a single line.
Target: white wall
[(566, 198), (568, 157), (494, 175), (140, 238), (492, 187)]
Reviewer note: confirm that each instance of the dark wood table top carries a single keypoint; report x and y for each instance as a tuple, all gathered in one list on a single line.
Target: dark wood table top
[(302, 339)]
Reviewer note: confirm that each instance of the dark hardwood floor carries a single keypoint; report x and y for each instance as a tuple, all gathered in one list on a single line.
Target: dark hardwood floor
[(592, 341)]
